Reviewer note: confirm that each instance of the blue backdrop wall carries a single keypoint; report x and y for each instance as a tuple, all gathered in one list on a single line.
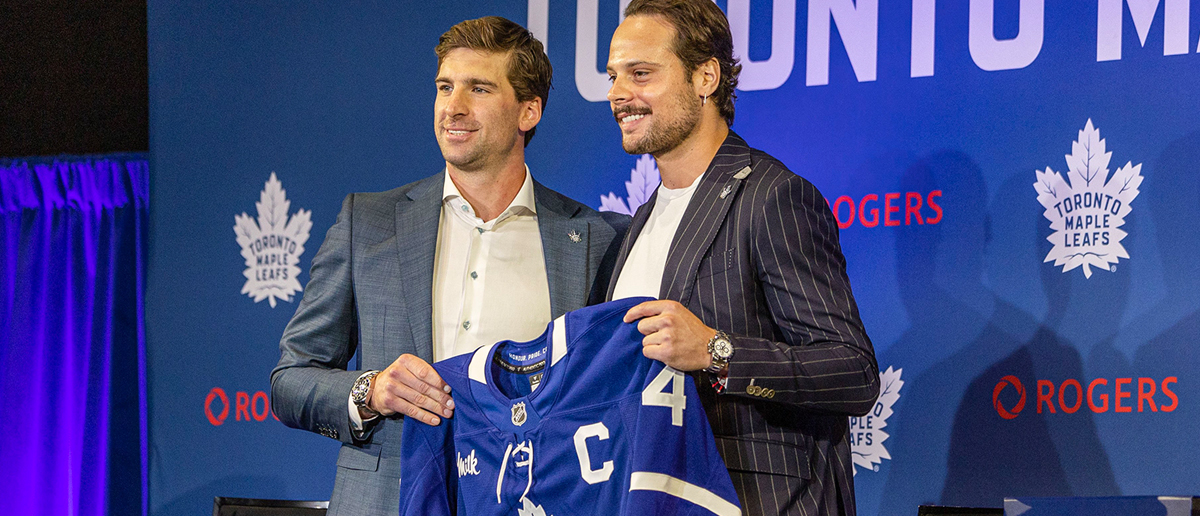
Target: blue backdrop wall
[(1015, 180)]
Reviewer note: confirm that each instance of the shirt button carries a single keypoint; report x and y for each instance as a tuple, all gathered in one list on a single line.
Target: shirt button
[(480, 230), (465, 208), (466, 325), (474, 275)]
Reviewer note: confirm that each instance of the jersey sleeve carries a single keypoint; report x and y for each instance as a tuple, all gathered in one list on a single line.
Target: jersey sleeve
[(428, 485), (675, 467)]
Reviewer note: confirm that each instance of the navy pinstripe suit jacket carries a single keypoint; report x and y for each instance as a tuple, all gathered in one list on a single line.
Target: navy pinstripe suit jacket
[(757, 256)]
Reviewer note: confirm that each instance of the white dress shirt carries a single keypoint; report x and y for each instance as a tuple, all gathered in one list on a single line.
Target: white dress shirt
[(489, 278), (643, 270)]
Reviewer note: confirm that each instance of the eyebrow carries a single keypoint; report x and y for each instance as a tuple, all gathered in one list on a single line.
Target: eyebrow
[(472, 81), (632, 64)]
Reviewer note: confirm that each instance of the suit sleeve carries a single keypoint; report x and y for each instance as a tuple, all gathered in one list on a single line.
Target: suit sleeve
[(310, 385), (826, 361)]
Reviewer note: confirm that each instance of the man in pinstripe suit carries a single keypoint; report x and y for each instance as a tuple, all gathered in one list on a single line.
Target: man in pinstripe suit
[(744, 257)]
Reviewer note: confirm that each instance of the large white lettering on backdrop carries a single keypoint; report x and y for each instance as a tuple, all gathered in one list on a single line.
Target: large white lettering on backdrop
[(857, 23)]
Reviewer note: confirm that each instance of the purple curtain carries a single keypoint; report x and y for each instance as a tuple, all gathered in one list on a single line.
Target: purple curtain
[(72, 340)]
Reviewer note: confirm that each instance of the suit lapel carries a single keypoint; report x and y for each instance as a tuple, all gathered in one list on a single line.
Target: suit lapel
[(635, 228), (703, 218), (565, 242), (417, 218)]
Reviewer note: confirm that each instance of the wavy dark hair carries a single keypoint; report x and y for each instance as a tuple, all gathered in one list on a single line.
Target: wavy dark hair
[(529, 69), (701, 33)]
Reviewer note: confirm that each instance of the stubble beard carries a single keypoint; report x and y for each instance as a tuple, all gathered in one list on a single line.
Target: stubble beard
[(480, 155), (665, 134)]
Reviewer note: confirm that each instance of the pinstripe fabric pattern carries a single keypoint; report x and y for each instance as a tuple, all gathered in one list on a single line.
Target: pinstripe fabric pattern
[(763, 263)]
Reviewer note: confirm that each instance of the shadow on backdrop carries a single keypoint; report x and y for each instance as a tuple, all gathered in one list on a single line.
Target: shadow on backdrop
[(1164, 339), (1042, 450), (954, 335)]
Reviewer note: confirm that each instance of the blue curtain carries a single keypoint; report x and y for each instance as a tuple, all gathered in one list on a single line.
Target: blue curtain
[(72, 339)]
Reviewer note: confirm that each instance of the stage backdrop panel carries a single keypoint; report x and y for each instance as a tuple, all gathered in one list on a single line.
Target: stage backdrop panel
[(1016, 182)]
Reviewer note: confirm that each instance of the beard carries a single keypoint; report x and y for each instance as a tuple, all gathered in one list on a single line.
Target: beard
[(669, 128)]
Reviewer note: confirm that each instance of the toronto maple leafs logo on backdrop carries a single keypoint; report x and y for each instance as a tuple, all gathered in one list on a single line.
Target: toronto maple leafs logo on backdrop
[(272, 246), (643, 179), (866, 432), (1087, 213)]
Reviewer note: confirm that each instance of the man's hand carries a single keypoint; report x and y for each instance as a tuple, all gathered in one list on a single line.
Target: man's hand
[(673, 335), (412, 388)]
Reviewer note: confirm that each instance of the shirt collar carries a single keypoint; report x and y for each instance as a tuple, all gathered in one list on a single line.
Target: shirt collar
[(524, 198)]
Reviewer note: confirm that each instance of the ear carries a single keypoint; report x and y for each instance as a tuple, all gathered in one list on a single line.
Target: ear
[(707, 77), (531, 114)]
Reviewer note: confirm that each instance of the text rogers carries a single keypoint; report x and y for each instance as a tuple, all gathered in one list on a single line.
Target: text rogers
[(1070, 395)]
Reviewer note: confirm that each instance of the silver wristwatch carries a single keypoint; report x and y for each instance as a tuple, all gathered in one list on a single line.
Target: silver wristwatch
[(362, 387), (721, 349)]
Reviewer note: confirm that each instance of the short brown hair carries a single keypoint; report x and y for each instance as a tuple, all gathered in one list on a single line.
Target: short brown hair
[(701, 33), (529, 69)]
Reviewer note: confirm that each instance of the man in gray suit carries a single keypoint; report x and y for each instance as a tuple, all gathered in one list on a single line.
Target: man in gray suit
[(744, 257), (472, 255)]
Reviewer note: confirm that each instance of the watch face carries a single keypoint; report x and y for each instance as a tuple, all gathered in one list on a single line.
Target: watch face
[(359, 392), (722, 348)]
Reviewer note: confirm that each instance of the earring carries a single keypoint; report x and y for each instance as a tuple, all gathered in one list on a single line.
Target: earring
[(703, 99)]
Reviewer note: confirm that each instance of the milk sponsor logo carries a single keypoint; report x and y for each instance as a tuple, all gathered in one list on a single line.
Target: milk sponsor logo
[(866, 432), (272, 245), (1087, 211), (468, 465)]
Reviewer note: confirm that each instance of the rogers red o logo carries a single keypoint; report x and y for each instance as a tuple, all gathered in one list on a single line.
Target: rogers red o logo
[(218, 392), (1004, 413)]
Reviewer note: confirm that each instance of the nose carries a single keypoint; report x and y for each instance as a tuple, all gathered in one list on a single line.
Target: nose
[(617, 92), (456, 104)]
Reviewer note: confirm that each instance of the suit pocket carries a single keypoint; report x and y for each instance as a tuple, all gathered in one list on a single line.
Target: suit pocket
[(354, 457), (760, 456), (718, 262)]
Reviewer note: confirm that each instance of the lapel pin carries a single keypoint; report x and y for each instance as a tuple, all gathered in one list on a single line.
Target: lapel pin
[(725, 192), (574, 236), (745, 171)]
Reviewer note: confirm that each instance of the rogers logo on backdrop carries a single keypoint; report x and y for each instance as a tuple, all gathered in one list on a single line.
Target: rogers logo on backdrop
[(895, 209), (246, 407), (1070, 395)]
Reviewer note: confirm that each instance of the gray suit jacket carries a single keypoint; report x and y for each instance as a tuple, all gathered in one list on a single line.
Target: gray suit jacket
[(371, 290), (757, 256)]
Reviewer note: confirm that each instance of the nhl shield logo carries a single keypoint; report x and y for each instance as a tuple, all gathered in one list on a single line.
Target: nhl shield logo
[(518, 413)]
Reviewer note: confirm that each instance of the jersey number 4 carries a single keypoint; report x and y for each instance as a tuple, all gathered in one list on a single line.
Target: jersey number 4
[(656, 394)]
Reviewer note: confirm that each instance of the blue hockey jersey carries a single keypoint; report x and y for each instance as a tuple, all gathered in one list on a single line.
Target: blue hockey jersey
[(574, 422)]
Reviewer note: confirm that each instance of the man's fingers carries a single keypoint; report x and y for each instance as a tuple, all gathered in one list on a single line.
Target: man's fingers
[(646, 309), (424, 372), (418, 392), (395, 399), (655, 324)]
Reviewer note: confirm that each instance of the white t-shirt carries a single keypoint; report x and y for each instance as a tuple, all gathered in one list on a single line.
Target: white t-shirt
[(643, 270)]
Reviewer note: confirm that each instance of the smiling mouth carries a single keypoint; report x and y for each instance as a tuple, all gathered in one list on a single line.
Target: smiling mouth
[(628, 117)]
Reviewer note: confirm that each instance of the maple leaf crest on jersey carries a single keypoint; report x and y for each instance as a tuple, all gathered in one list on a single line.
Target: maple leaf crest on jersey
[(603, 430)]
